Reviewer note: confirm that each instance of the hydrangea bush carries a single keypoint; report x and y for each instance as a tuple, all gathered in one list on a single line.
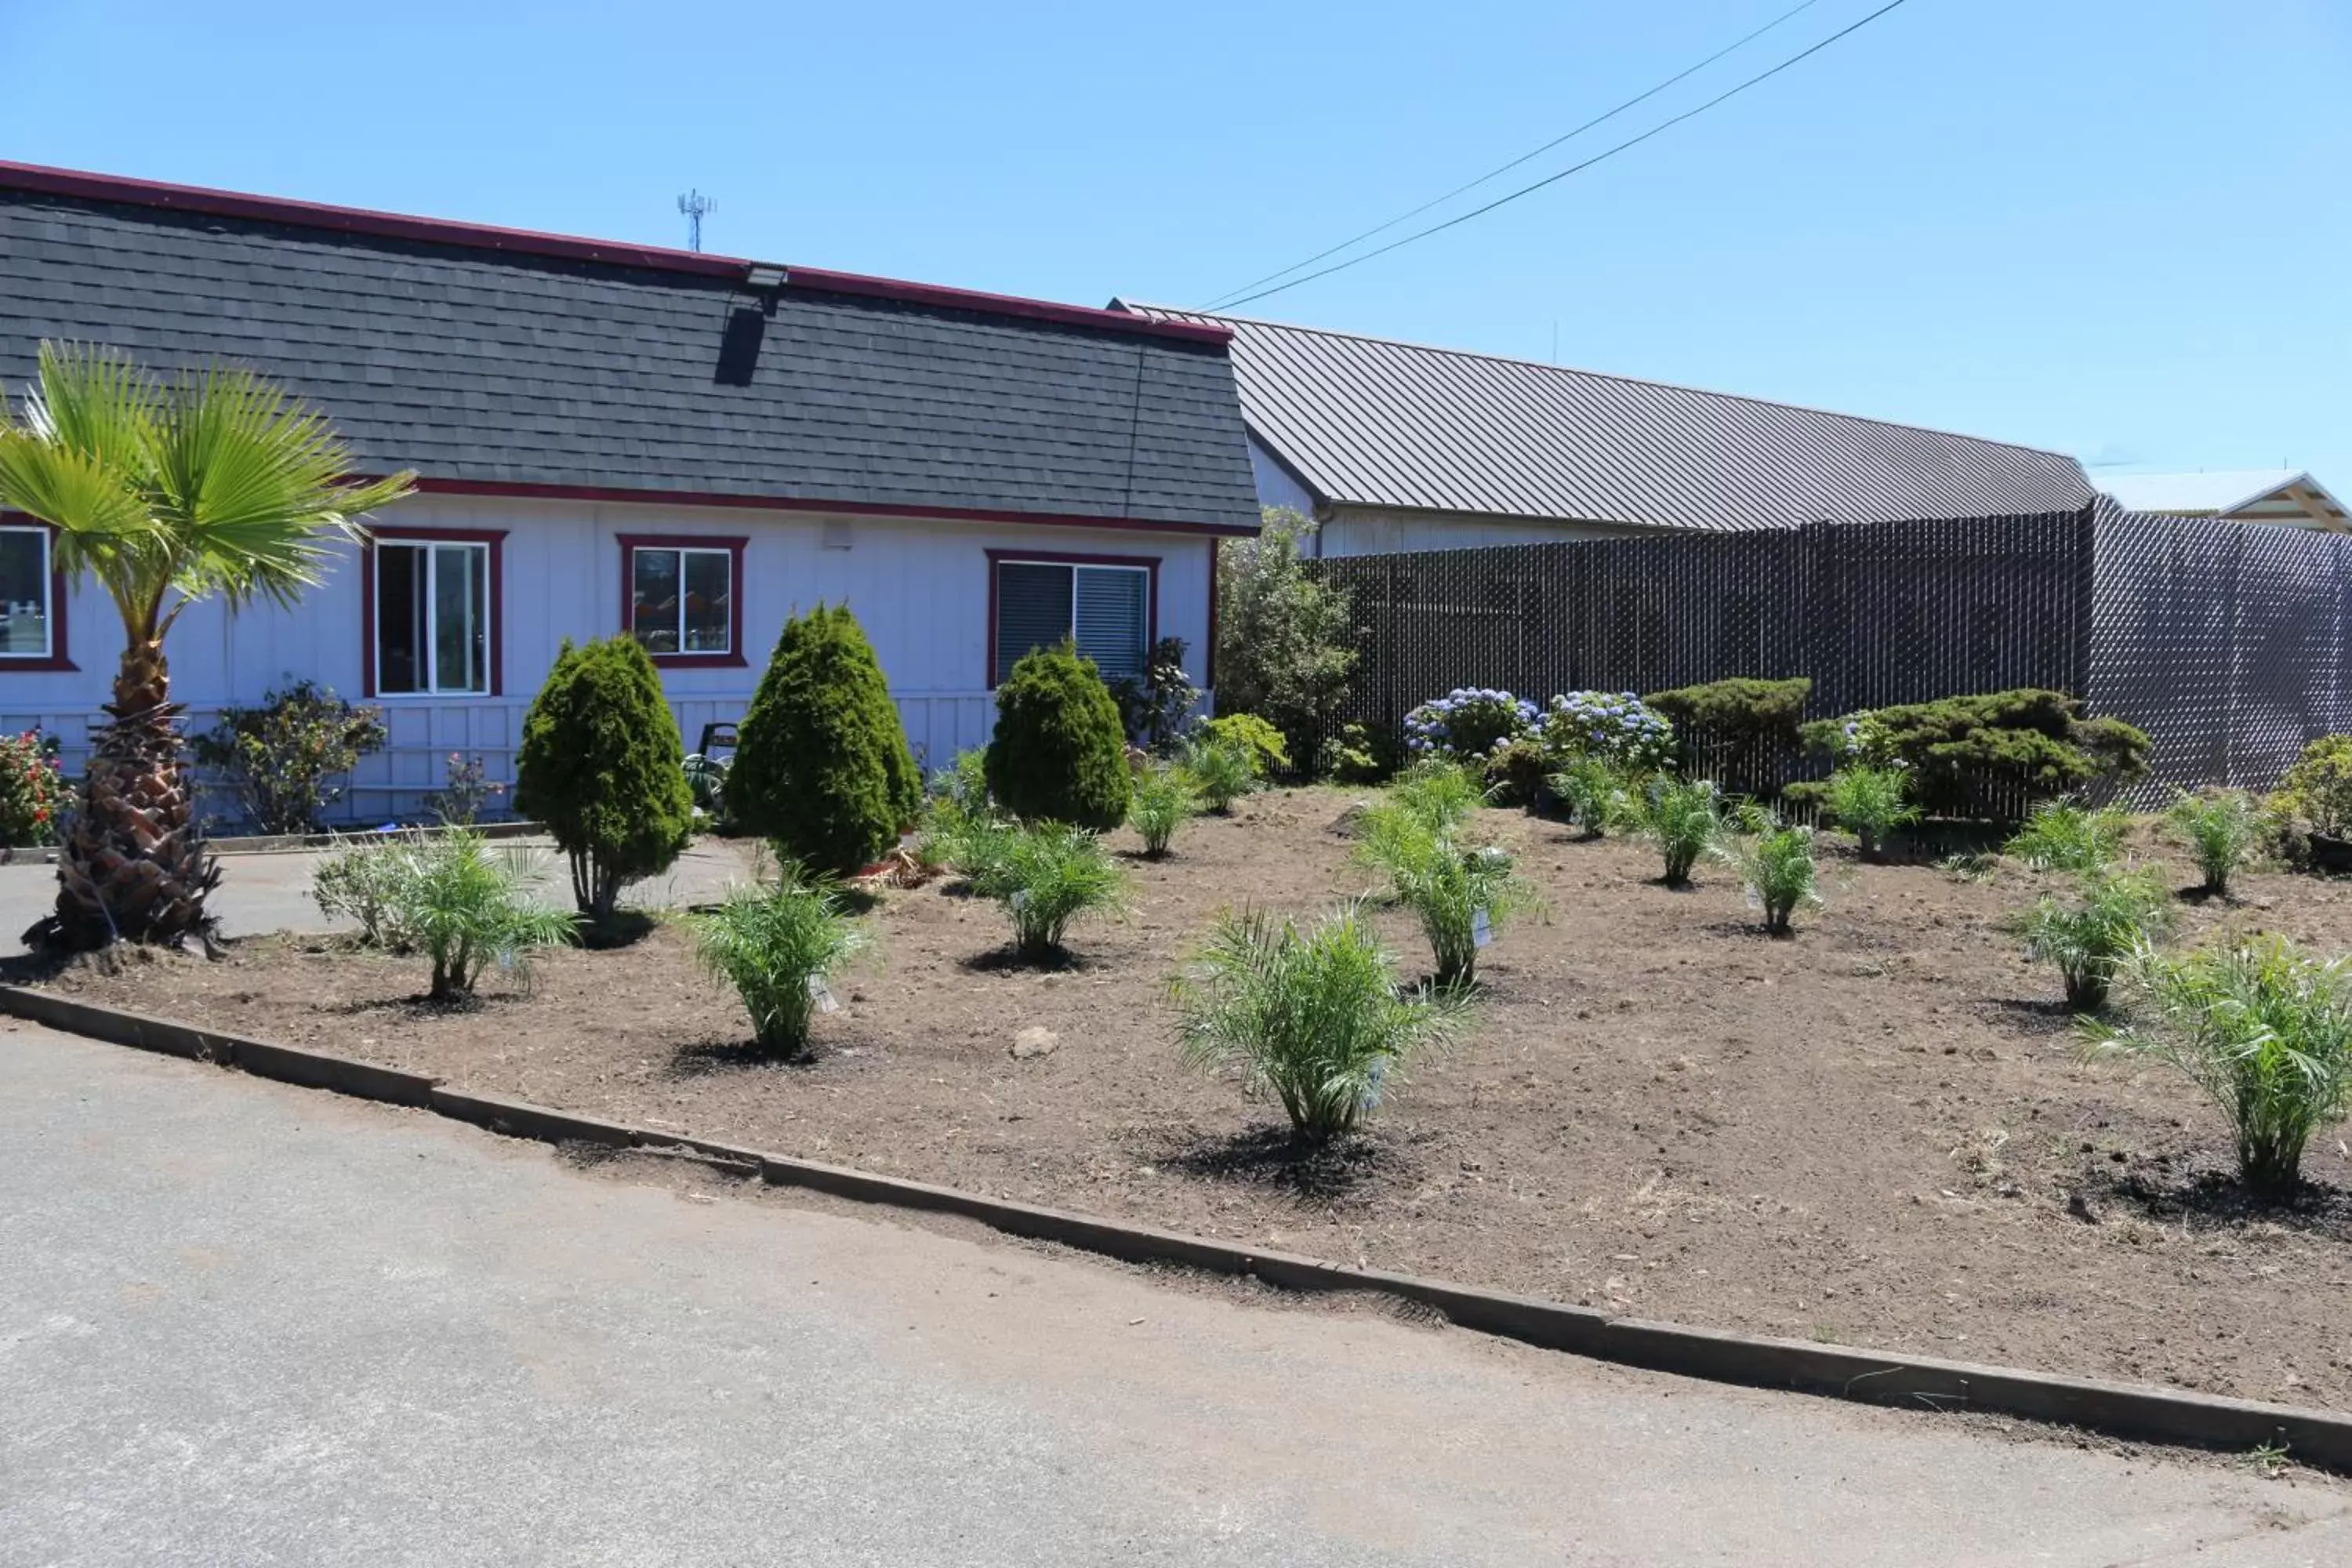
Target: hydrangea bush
[(1468, 721), (1615, 726)]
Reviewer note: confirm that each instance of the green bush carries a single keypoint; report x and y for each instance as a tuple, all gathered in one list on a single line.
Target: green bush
[(1286, 642), (1355, 756), (1154, 705), (1776, 865), (1869, 803), (368, 881), (2264, 1031), (2317, 793), (821, 767), (1462, 892), (1049, 874), (1516, 773), (1597, 792), (1467, 724), (1746, 722), (2220, 827), (465, 905), (2090, 938), (1058, 753), (602, 765), (1313, 1018), (1268, 751), (1220, 771), (34, 795), (2028, 741), (1685, 818), (777, 947), (2066, 836), (279, 757), (1163, 797)]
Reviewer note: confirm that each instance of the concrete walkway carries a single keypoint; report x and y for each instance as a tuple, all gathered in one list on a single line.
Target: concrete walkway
[(246, 1323), (269, 892)]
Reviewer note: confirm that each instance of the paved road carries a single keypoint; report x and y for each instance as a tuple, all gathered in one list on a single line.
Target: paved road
[(248, 1324), (272, 892)]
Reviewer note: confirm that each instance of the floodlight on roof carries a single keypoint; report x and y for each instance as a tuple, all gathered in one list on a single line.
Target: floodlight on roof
[(760, 275)]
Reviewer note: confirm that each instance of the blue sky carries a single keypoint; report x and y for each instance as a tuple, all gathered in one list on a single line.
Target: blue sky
[(2117, 228)]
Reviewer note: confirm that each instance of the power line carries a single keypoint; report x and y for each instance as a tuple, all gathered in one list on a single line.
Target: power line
[(1572, 169), (1601, 118)]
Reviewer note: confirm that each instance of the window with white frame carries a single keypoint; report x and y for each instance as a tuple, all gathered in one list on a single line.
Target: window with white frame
[(1107, 610), (433, 616), (24, 581), (682, 600)]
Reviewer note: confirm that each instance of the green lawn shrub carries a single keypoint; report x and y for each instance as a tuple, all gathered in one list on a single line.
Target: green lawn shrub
[(279, 757)]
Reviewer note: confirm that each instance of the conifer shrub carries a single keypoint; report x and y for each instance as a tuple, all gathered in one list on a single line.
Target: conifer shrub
[(602, 764), (821, 766), (2028, 741), (1058, 753), (1745, 724)]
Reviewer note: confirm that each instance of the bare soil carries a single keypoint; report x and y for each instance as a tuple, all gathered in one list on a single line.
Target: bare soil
[(1878, 1133)]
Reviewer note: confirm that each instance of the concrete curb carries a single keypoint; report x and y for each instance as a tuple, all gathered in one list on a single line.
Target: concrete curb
[(2317, 1437)]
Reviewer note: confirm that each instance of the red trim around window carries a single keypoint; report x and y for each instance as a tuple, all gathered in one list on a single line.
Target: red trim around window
[(495, 538), (733, 544), (430, 485), (55, 659), (1150, 564)]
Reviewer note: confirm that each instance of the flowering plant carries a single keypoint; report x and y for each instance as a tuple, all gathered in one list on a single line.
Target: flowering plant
[(1467, 721), (1616, 726), (33, 790)]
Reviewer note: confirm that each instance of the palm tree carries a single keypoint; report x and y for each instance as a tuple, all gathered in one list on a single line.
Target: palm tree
[(213, 483)]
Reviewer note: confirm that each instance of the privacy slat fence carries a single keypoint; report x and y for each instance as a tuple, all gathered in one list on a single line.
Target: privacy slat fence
[(2226, 641)]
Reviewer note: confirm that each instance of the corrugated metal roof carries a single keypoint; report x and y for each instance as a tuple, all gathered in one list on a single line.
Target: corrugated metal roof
[(1368, 422), (2215, 494)]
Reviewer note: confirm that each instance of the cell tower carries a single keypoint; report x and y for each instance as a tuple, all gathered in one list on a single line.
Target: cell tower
[(695, 205)]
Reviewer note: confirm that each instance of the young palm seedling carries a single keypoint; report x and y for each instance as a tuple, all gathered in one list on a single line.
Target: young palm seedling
[(2089, 938), (1163, 797), (2263, 1030), (1223, 771), (466, 906), (1685, 818), (1441, 794), (1313, 1018), (2220, 829), (1051, 875), (1462, 892), (778, 946), (1776, 863), (2066, 836), (1597, 792), (1870, 804)]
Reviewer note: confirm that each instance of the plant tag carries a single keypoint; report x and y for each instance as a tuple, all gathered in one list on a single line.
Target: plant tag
[(1020, 898), (1482, 929), (1754, 899), (824, 994), (506, 960)]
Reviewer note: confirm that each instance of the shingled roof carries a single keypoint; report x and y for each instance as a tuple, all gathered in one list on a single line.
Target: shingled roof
[(1365, 422), (493, 360)]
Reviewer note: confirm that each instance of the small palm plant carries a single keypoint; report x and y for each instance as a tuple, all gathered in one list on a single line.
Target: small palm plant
[(2065, 835), (216, 483), (1050, 875), (1441, 794), (1463, 893), (1221, 770), (1777, 866), (1685, 818), (2088, 939), (1162, 798), (466, 906), (1313, 1018), (2263, 1030), (1870, 802), (2220, 829), (777, 946), (1596, 791)]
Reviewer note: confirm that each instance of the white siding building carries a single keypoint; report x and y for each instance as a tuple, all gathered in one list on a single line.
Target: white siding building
[(611, 438)]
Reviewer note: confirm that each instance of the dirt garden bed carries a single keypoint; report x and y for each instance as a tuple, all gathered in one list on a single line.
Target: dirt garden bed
[(1877, 1133)]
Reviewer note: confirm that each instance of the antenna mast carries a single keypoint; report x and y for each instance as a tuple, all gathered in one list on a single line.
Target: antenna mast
[(695, 205)]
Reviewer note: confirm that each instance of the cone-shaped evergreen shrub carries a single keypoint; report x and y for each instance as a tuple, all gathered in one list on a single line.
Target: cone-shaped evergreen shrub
[(822, 768), (1059, 754), (603, 767)]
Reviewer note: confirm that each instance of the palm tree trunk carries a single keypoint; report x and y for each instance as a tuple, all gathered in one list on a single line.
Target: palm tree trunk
[(136, 868)]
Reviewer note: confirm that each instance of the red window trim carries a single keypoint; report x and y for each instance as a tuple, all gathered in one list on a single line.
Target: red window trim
[(732, 543), (55, 659), (1150, 564), (495, 538)]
